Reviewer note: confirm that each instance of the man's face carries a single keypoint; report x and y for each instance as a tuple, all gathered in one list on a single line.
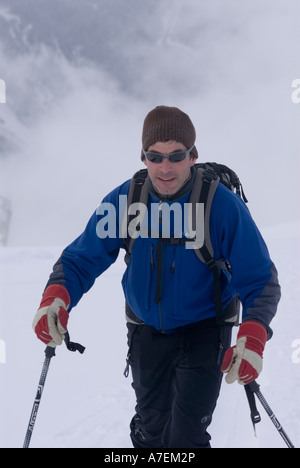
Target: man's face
[(168, 177)]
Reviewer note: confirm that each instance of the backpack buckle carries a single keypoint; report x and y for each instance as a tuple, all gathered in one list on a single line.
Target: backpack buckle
[(209, 176)]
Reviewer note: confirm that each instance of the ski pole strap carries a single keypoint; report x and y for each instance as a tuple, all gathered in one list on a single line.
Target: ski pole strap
[(253, 388), (71, 346), (250, 390), (275, 421)]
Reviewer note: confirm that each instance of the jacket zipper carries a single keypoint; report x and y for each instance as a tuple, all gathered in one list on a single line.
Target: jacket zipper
[(159, 273)]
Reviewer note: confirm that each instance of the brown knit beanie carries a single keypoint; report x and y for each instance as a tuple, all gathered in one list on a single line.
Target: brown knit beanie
[(168, 123)]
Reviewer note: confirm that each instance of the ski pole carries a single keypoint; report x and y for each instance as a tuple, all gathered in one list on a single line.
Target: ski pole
[(253, 388), (49, 353)]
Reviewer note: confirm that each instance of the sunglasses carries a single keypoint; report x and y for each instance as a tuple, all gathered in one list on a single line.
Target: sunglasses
[(173, 157)]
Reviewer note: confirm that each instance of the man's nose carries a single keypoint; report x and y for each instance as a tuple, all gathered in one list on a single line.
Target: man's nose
[(165, 165)]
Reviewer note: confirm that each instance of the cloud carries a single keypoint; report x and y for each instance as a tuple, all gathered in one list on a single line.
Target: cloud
[(76, 100)]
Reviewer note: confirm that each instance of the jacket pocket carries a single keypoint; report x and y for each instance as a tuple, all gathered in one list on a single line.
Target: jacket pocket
[(136, 281)]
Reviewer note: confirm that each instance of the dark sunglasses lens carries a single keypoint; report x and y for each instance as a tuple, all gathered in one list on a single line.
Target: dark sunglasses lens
[(177, 157), (174, 157), (154, 157)]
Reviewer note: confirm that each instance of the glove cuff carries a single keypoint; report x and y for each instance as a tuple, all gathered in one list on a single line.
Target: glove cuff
[(56, 291), (255, 331)]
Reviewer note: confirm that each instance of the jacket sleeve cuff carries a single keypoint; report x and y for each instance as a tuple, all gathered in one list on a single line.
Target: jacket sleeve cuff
[(56, 291), (254, 330)]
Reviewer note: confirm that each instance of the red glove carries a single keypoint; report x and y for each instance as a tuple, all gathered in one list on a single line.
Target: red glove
[(243, 362), (51, 319)]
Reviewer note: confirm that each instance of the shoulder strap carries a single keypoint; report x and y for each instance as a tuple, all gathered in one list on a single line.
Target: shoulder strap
[(138, 193), (205, 186), (204, 189)]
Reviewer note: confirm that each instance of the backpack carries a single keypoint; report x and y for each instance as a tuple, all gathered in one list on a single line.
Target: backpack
[(208, 176)]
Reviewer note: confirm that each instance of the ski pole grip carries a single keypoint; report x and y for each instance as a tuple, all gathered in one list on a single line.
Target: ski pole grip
[(50, 352), (253, 386)]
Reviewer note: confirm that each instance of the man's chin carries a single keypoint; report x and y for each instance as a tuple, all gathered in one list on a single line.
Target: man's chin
[(166, 188)]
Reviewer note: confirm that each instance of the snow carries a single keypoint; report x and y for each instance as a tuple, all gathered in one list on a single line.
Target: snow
[(87, 402), (70, 131)]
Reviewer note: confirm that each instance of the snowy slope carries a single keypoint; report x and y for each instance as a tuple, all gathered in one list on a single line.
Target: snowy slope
[(87, 402)]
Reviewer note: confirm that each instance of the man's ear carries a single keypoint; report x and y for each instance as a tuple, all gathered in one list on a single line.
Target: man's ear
[(192, 160)]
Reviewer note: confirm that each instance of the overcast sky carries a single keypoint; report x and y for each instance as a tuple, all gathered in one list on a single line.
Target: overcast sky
[(81, 76)]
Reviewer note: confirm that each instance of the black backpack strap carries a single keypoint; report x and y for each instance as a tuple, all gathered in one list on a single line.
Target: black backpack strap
[(205, 186), (217, 292), (203, 192), (138, 193)]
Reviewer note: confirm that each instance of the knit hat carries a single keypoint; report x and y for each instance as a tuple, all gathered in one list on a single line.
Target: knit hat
[(168, 123)]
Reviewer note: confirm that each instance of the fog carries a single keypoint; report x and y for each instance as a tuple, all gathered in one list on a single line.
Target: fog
[(81, 76)]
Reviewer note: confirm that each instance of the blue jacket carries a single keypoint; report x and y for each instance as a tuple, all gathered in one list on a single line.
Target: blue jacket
[(186, 283)]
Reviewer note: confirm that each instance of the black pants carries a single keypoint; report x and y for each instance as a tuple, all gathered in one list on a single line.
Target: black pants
[(177, 381)]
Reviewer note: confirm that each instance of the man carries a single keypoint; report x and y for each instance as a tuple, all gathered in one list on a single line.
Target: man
[(176, 344)]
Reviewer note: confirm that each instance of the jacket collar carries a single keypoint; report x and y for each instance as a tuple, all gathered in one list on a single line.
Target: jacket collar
[(186, 188)]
